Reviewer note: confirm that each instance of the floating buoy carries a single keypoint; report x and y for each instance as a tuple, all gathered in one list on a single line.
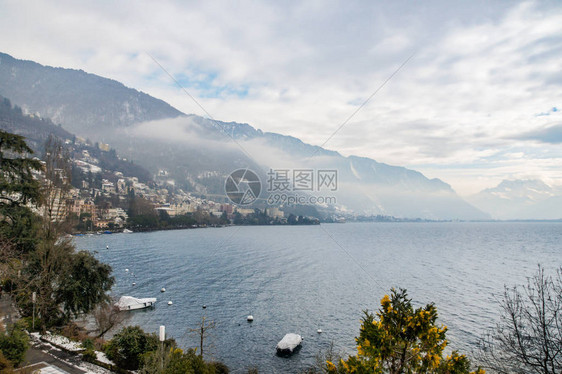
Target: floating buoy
[(170, 302), (250, 318), (106, 247), (319, 331), (126, 270), (134, 283), (162, 289), (204, 306)]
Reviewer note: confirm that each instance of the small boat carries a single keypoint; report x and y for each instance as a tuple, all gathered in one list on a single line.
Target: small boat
[(289, 344), (127, 231), (132, 303)]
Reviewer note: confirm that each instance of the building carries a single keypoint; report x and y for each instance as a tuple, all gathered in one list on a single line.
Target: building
[(275, 213)]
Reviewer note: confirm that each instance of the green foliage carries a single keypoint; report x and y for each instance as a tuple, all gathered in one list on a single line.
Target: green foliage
[(401, 339), (176, 361), (90, 352), (14, 344), (128, 345), (85, 284), (219, 367), (88, 344), (5, 364), (36, 257), (18, 187)]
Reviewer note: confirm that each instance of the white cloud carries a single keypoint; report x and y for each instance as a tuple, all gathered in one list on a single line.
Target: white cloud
[(481, 73)]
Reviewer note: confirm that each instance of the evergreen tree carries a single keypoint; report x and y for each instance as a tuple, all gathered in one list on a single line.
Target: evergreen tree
[(18, 191)]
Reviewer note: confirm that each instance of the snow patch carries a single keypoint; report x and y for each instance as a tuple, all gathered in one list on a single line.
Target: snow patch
[(62, 341)]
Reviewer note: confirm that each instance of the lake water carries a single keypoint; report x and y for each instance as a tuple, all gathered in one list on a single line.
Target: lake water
[(304, 278)]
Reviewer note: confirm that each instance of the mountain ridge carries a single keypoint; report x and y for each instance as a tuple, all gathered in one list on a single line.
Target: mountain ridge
[(520, 199), (146, 129), (85, 90)]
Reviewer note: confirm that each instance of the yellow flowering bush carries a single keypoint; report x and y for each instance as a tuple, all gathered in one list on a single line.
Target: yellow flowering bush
[(401, 339)]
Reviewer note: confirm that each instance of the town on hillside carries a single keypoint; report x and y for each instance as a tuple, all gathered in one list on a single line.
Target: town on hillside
[(104, 200)]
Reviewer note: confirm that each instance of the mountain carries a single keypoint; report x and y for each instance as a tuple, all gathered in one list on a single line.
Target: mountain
[(37, 130), (83, 103), (203, 152), (198, 153), (520, 199)]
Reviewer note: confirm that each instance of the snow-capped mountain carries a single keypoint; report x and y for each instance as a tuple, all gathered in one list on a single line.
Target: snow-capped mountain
[(520, 199)]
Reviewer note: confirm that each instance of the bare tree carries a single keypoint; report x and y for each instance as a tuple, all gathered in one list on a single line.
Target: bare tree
[(107, 316), (202, 331), (528, 337)]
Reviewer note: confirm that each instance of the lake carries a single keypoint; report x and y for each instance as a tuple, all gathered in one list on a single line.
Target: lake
[(304, 278)]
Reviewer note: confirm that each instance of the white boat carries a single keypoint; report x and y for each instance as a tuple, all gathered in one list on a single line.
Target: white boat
[(289, 344), (132, 303), (127, 231)]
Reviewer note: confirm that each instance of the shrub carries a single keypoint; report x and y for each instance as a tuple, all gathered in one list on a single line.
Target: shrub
[(401, 339), (89, 355), (5, 364), (128, 345), (14, 344), (90, 352), (88, 344), (219, 367), (176, 361), (73, 332)]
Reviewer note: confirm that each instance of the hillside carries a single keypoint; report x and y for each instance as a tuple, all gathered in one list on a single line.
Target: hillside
[(37, 130), (83, 103), (198, 153)]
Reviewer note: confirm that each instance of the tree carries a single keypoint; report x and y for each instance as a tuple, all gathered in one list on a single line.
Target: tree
[(176, 361), (44, 261), (401, 339), (528, 336), (202, 331), (107, 316), (13, 344), (85, 285), (128, 345), (18, 189)]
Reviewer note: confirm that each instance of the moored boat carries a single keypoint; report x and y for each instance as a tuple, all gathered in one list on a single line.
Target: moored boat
[(289, 344), (132, 303)]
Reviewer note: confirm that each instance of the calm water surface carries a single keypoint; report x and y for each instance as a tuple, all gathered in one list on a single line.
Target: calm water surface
[(302, 278)]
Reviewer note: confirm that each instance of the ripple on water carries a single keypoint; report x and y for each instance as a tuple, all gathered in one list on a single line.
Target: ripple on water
[(297, 279)]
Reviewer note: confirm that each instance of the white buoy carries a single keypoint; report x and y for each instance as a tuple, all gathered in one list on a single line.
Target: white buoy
[(162, 289), (134, 283), (250, 318), (126, 270), (170, 302), (106, 247), (319, 331)]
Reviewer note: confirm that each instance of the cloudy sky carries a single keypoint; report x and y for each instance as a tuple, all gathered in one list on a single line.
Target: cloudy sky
[(479, 101)]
